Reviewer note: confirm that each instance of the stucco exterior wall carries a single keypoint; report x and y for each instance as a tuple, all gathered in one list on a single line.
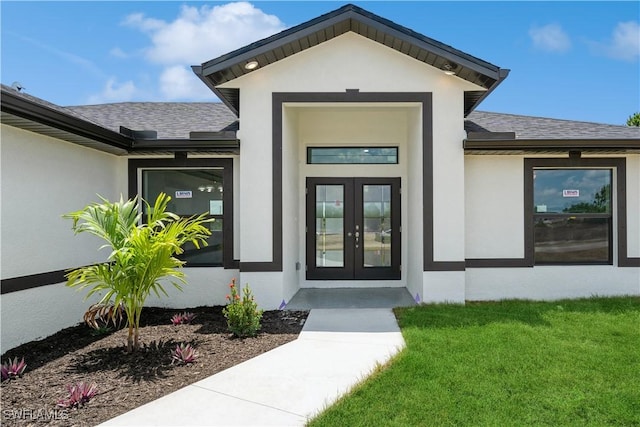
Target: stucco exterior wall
[(495, 229), (494, 194), (633, 206), (349, 62), (42, 179), (551, 282)]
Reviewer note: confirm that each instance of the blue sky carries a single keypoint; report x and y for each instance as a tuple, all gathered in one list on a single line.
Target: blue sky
[(570, 60)]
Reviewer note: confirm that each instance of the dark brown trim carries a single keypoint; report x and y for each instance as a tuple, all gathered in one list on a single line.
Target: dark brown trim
[(497, 262), (16, 284), (253, 267), (185, 162), (447, 266), (560, 145), (429, 264), (423, 98), (617, 163)]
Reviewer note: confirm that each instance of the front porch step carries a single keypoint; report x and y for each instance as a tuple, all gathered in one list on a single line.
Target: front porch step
[(309, 298)]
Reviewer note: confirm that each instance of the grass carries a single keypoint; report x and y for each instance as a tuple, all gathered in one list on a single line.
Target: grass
[(509, 363)]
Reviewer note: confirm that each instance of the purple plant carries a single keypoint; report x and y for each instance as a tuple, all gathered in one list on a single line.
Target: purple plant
[(79, 394), (13, 369), (184, 354), (182, 318)]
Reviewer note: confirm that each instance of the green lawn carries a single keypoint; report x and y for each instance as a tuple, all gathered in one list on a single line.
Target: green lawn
[(509, 363)]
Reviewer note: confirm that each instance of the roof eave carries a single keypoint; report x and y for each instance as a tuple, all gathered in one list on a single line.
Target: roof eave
[(561, 145), (503, 73), (18, 106), (197, 69)]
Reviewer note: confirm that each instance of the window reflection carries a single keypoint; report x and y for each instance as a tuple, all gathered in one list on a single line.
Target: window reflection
[(572, 190)]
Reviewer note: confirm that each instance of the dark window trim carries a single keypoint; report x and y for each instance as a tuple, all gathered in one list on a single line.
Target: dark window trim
[(184, 162), (352, 268), (329, 147), (424, 98), (618, 163)]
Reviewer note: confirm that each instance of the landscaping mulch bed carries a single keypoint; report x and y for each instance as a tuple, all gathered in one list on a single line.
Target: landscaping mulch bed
[(126, 381)]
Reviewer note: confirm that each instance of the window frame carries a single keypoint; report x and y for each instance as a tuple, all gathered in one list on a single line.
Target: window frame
[(351, 147), (618, 229), (136, 166), (582, 215)]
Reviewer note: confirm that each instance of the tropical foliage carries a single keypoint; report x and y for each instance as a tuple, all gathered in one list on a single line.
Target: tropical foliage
[(79, 394), (141, 254), (241, 312), (13, 369), (634, 120)]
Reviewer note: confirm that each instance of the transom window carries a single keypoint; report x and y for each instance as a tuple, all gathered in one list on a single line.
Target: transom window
[(352, 155), (572, 219)]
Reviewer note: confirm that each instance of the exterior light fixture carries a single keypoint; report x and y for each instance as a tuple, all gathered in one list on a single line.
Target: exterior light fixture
[(449, 69), (251, 65)]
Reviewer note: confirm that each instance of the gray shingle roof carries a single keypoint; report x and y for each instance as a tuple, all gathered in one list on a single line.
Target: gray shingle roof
[(169, 119), (528, 127), (42, 102)]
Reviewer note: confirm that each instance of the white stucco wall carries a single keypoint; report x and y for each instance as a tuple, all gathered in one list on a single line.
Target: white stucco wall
[(551, 282), (633, 205), (43, 178), (494, 217), (349, 61)]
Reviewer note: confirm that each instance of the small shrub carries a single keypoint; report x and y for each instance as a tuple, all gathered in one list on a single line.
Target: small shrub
[(13, 369), (242, 314), (182, 318), (184, 354), (79, 395)]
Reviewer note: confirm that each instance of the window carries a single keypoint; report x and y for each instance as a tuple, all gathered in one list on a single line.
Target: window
[(572, 219), (352, 155), (196, 186)]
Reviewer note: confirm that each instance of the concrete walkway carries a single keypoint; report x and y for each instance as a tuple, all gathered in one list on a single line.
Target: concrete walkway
[(286, 386)]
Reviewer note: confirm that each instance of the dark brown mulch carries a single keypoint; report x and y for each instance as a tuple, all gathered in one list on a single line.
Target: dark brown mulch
[(126, 381)]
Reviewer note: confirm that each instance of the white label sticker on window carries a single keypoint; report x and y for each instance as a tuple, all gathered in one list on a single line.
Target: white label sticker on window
[(570, 193), (541, 208), (215, 207), (184, 194)]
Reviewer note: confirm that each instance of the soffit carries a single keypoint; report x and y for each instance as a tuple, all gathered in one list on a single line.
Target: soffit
[(350, 18)]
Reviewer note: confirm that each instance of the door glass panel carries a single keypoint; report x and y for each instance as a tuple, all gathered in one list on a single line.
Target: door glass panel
[(376, 233), (330, 226)]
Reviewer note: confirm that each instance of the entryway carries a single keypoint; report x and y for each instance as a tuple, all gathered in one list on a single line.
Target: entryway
[(314, 298), (353, 229)]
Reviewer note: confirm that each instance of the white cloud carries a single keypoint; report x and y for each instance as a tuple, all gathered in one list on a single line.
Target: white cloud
[(196, 35), (200, 34), (550, 38), (624, 43), (114, 92), (179, 82)]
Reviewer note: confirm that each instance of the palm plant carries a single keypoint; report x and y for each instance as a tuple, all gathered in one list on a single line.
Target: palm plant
[(141, 254)]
